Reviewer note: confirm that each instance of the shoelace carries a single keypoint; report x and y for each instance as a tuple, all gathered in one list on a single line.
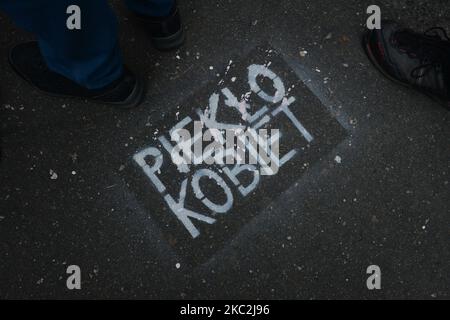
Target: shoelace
[(424, 47)]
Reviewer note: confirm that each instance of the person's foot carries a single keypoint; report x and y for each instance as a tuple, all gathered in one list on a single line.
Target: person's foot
[(419, 61), (27, 61), (165, 32)]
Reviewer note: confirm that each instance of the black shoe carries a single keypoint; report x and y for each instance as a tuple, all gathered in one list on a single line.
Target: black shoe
[(166, 32), (418, 61), (27, 61)]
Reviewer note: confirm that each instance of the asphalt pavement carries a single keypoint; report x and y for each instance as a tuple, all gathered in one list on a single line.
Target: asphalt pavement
[(365, 181)]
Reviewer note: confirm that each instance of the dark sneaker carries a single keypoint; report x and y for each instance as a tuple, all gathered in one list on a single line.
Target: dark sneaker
[(418, 61), (166, 32), (27, 61)]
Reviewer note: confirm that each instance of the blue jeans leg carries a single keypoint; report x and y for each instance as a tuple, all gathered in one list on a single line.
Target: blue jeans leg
[(90, 56)]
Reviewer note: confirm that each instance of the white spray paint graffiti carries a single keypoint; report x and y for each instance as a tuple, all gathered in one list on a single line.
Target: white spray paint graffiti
[(226, 178)]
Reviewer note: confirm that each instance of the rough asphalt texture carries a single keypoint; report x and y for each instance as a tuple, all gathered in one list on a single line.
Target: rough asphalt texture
[(64, 201)]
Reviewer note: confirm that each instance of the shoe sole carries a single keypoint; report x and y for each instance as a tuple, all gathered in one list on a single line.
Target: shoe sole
[(133, 100), (171, 42), (373, 60)]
